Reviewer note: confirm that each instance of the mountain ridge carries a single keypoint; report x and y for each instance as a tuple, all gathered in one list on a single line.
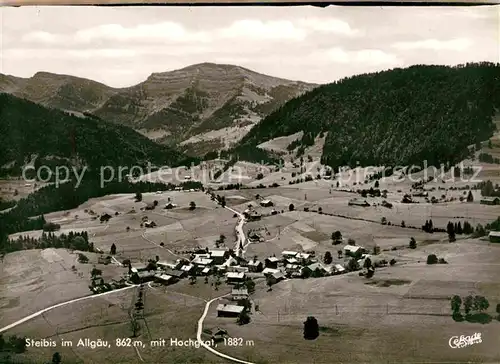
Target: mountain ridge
[(182, 102)]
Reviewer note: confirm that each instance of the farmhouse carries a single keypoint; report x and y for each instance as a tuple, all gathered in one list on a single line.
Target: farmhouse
[(202, 262), (254, 266), (206, 271), (239, 294), (150, 224), (291, 261), (164, 265), (271, 262), (276, 277), (187, 268), (490, 200), (142, 277), (269, 271), (252, 215), (235, 277), (266, 203), (303, 258), (291, 268), (314, 269), (237, 268), (138, 267), (494, 236), (164, 279), (339, 269), (219, 256), (219, 334), (170, 206), (288, 254), (353, 250), (175, 273), (225, 310), (358, 202)]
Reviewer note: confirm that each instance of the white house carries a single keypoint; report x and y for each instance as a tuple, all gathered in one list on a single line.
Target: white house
[(187, 268), (164, 278), (303, 258), (225, 310), (288, 254), (266, 203), (270, 271), (353, 250), (202, 262), (339, 269), (239, 294), (235, 277)]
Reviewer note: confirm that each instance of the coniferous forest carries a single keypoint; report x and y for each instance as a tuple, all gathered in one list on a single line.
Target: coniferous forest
[(395, 117), (60, 138)]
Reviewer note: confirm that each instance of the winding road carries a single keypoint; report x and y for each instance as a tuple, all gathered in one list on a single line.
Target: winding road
[(239, 229), (240, 242), (200, 329)]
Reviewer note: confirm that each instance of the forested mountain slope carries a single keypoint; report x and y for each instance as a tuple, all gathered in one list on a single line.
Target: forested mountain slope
[(395, 117), (28, 129)]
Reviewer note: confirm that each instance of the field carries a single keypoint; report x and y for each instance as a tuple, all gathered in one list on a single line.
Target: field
[(402, 314), (35, 279)]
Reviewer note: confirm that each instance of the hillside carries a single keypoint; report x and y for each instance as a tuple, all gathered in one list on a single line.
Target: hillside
[(58, 91), (395, 117), (181, 104), (28, 129)]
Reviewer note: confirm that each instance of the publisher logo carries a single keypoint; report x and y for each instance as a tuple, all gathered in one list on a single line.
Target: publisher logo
[(462, 341)]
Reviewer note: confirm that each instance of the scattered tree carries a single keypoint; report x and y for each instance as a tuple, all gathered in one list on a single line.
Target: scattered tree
[(95, 272), (56, 358), (468, 303), (432, 259), (456, 303), (327, 259), (480, 303), (339, 253), (112, 251), (192, 205), (413, 243), (138, 197), (243, 318), (392, 262), (353, 265), (337, 237), (291, 207), (311, 328)]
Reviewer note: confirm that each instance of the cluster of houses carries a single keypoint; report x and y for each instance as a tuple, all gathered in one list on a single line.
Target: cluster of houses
[(237, 270), (203, 263)]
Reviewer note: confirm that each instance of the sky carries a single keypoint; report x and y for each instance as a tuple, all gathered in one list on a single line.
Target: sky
[(123, 46)]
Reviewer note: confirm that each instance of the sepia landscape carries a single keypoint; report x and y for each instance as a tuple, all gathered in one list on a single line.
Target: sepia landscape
[(166, 199)]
